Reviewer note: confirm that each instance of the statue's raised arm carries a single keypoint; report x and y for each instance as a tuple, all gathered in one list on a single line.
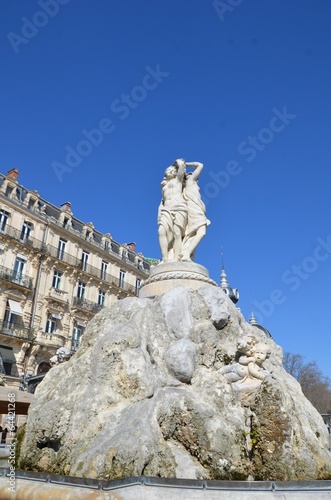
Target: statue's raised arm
[(181, 166), (198, 167)]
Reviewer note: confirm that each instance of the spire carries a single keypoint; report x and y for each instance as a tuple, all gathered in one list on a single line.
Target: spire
[(232, 293), (224, 279), (253, 322), (252, 319)]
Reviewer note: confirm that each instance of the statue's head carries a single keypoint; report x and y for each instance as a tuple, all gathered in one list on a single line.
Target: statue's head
[(261, 352), (171, 172), (179, 162), (246, 344)]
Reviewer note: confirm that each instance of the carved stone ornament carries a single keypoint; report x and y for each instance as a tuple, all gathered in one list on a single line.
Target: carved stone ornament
[(11, 292), (168, 275), (62, 354), (248, 373)]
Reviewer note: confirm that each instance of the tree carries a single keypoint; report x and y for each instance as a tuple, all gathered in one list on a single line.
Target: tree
[(315, 386)]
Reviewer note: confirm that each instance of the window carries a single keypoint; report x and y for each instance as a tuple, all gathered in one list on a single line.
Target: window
[(122, 279), (77, 333), (18, 269), (13, 314), (137, 286), (81, 290), (140, 264), (56, 283), (104, 267), (61, 249), (107, 245), (124, 255), (31, 204), (26, 231), (101, 298), (50, 325), (3, 219), (84, 260), (8, 360)]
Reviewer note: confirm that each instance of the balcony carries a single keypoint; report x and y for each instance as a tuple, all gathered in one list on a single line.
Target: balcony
[(16, 234), (58, 295), (87, 305), (15, 277), (64, 256), (16, 330), (114, 248), (51, 339), (90, 270), (61, 255)]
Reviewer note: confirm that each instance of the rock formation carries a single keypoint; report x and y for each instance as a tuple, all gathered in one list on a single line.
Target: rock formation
[(175, 386)]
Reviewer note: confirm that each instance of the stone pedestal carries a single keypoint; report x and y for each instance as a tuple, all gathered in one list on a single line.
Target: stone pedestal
[(168, 275)]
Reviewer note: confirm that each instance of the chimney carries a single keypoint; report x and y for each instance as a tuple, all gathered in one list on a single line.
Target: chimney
[(131, 247), (66, 207), (13, 174)]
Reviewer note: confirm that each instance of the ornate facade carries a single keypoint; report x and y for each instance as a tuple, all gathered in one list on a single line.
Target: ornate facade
[(56, 272)]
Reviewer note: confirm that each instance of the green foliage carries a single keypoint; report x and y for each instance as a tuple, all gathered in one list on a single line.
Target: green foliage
[(19, 440)]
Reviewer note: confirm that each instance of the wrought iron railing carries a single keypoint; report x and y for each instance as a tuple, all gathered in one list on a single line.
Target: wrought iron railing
[(89, 269), (15, 277), (87, 304), (75, 344), (128, 257), (66, 257), (16, 330), (18, 235)]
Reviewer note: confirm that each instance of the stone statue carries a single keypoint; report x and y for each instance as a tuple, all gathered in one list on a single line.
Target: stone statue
[(22, 353), (182, 214), (249, 366), (62, 354), (197, 221), (172, 216)]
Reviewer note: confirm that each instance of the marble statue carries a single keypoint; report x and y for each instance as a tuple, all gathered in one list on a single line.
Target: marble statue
[(182, 214), (249, 366), (22, 353), (61, 355), (197, 221)]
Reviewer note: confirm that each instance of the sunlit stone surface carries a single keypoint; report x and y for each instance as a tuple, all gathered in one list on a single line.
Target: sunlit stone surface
[(150, 392)]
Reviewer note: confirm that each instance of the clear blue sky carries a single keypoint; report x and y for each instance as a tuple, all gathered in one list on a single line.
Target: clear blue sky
[(245, 90)]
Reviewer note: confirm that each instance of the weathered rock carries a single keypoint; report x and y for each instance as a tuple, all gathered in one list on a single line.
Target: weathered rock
[(149, 392), (180, 359)]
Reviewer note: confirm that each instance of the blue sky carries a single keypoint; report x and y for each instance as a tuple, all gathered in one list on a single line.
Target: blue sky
[(242, 86)]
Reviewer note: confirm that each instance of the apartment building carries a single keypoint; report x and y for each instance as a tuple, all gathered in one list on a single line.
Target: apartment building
[(56, 273)]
